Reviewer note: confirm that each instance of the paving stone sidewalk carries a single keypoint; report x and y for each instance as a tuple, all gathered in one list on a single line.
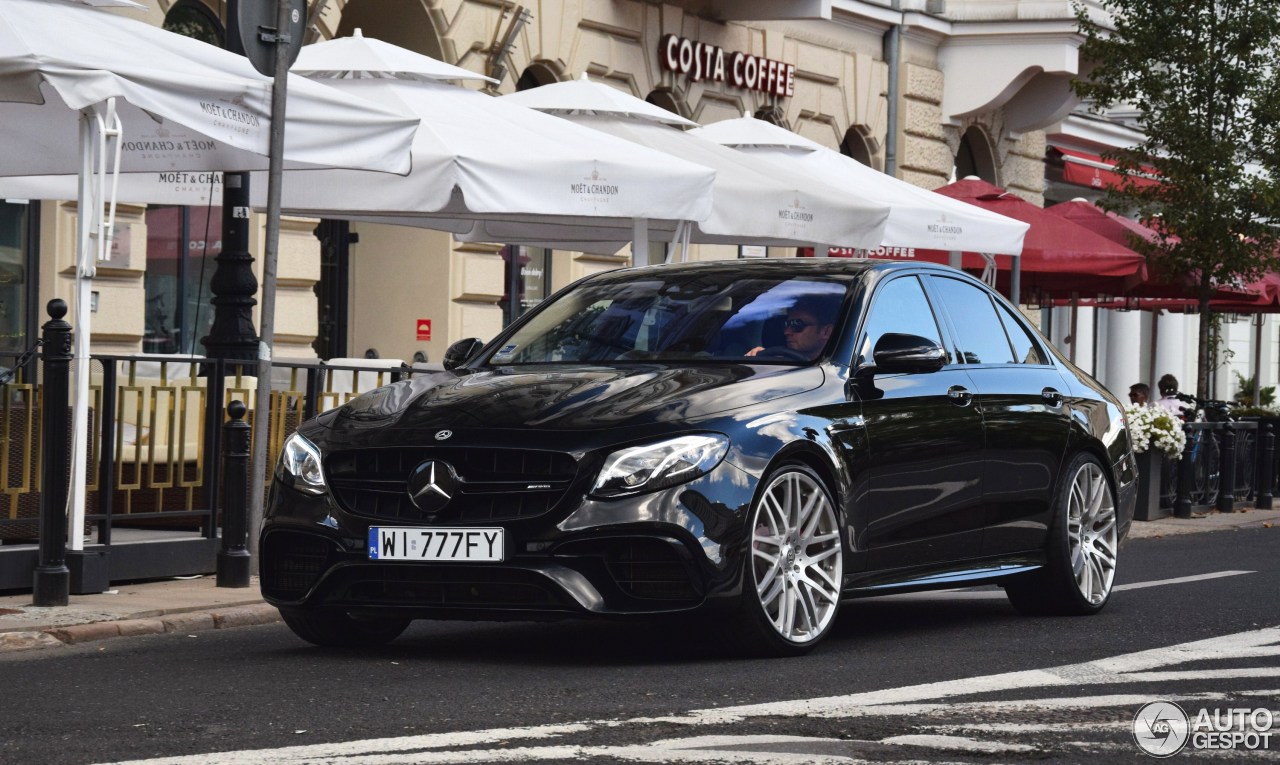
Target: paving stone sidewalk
[(194, 604)]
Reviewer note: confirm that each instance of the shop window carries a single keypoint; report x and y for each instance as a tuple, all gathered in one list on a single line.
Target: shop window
[(182, 243), (16, 262), (529, 284), (975, 157)]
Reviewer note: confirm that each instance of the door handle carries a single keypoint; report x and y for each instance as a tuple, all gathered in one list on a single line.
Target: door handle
[(1051, 396), (959, 395)]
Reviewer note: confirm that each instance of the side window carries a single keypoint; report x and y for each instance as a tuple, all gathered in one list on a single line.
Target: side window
[(899, 306), (1025, 349), (979, 330)]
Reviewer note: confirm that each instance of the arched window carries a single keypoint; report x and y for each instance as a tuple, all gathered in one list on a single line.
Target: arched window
[(975, 157), (408, 25), (855, 145), (772, 113), (535, 75), (666, 98), (192, 18)]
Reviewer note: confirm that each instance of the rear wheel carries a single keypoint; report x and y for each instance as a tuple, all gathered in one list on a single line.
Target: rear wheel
[(794, 567), (1083, 548), (337, 629)]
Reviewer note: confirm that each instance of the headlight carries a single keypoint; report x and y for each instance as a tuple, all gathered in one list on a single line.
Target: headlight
[(657, 466), (299, 466)]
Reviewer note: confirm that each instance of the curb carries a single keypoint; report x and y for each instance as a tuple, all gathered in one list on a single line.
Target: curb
[(196, 621)]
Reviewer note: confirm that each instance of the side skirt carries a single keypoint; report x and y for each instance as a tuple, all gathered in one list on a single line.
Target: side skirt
[(948, 576)]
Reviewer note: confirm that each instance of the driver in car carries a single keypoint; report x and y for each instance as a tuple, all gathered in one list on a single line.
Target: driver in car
[(809, 324)]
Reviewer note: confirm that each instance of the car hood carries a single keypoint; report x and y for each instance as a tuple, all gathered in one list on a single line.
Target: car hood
[(568, 397)]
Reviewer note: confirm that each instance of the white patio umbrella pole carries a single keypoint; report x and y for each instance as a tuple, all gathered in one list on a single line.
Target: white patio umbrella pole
[(954, 259), (97, 133), (640, 242), (262, 399)]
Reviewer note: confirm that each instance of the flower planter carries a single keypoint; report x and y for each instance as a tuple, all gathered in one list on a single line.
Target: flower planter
[(1148, 507)]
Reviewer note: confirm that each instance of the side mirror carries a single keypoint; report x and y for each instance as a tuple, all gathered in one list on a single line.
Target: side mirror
[(898, 353), (461, 352)]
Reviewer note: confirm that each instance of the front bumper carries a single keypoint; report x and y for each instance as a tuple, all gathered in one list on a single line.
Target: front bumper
[(673, 550)]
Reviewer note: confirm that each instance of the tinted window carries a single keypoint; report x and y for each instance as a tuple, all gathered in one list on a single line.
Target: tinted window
[(900, 306), (1025, 349), (978, 328), (682, 315)]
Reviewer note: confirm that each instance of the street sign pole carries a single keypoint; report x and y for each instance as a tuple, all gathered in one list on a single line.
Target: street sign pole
[(287, 19)]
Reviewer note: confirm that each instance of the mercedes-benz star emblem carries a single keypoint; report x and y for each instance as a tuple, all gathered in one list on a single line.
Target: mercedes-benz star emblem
[(431, 485), (443, 434)]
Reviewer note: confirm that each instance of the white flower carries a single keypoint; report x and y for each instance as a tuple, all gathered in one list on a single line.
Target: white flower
[(1154, 425)]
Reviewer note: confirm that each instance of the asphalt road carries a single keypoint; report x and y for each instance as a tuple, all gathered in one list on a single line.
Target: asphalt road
[(928, 677)]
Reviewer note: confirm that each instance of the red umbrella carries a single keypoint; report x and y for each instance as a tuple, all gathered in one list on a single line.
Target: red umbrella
[(1122, 230), (1059, 258)]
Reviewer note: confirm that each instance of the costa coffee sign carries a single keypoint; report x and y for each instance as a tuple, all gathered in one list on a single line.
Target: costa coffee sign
[(700, 61)]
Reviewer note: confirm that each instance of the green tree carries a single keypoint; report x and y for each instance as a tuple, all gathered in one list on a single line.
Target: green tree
[(1204, 78)]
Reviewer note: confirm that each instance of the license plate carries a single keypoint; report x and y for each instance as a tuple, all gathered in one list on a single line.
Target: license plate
[(435, 544)]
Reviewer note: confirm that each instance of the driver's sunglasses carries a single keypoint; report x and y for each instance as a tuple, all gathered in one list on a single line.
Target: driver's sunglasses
[(797, 325)]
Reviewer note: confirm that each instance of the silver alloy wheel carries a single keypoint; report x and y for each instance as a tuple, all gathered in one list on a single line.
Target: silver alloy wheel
[(797, 558), (1091, 533)]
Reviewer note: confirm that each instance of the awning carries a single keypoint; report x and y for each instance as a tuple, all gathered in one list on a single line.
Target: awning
[(1084, 169)]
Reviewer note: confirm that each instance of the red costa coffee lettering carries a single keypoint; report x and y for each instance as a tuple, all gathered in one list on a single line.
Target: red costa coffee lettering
[(686, 56), (670, 45), (702, 61)]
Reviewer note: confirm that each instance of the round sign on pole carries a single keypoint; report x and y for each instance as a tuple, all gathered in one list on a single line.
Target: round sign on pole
[(251, 30)]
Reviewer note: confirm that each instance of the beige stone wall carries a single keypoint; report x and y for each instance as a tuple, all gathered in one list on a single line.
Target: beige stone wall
[(118, 324), (401, 274)]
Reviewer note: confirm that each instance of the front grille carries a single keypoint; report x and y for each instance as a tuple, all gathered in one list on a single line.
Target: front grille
[(495, 483), (649, 569), (292, 562), (445, 587)]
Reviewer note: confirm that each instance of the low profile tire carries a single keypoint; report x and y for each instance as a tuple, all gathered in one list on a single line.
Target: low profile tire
[(1083, 548), (794, 566), (336, 629)]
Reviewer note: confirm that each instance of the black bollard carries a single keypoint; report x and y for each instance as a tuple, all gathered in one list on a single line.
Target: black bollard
[(1266, 467), (1227, 470), (52, 582), (234, 559), (1182, 505)]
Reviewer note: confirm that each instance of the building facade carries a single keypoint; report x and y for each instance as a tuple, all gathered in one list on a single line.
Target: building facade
[(927, 90)]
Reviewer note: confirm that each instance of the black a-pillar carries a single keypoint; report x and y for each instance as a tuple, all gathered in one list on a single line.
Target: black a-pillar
[(234, 286)]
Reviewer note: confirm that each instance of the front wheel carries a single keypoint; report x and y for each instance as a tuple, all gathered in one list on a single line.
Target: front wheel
[(337, 629), (1080, 568), (794, 567)]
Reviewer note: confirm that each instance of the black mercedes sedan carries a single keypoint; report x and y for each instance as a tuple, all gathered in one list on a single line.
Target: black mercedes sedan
[(751, 441)]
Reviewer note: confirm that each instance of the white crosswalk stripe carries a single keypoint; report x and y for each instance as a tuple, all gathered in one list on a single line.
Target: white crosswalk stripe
[(940, 722)]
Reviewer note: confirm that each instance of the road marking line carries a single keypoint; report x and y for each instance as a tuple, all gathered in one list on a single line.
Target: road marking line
[(1132, 667), (999, 594), (958, 743)]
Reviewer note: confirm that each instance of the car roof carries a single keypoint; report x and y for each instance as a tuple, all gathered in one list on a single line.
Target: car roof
[(787, 266)]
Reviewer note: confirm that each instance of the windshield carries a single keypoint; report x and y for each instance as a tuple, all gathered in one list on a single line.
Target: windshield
[(682, 315)]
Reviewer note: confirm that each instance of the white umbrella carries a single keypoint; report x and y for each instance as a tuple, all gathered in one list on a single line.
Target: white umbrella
[(86, 91), (754, 203), (479, 157), (917, 217)]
